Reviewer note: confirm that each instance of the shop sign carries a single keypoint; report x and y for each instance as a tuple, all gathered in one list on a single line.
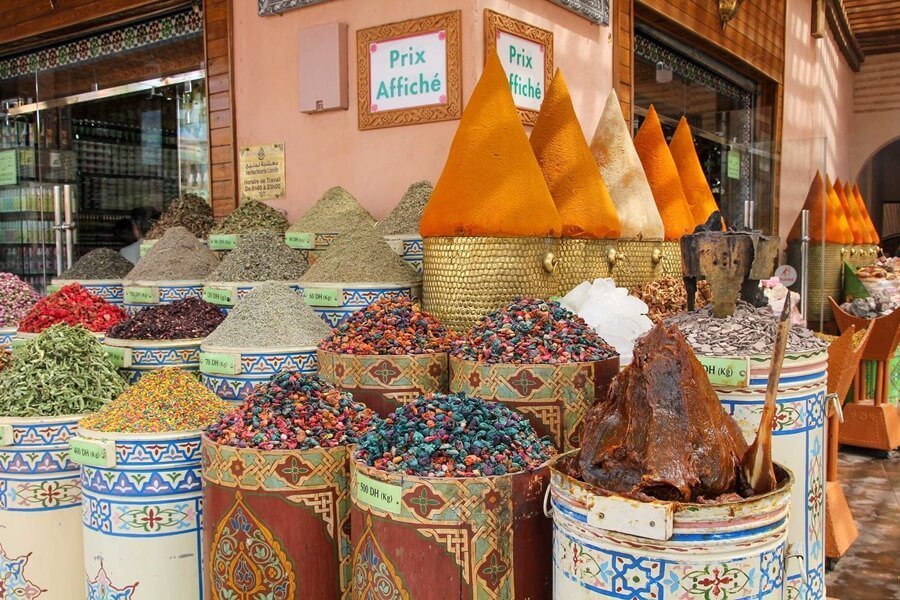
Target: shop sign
[(262, 172), (409, 72), (526, 53), (8, 171), (378, 494)]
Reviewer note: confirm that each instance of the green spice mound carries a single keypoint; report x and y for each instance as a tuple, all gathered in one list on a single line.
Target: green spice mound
[(178, 256), (361, 256), (164, 400), (189, 211), (101, 263), (252, 216), (260, 256), (405, 217), (337, 211), (272, 315), (63, 371)]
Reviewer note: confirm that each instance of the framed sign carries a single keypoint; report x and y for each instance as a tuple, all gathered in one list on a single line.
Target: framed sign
[(526, 53), (262, 172), (410, 72)]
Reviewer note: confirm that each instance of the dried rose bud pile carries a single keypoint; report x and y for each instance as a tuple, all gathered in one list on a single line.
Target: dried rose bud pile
[(72, 305), (16, 299)]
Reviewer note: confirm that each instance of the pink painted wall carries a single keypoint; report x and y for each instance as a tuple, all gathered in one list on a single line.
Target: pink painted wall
[(818, 110), (327, 149)]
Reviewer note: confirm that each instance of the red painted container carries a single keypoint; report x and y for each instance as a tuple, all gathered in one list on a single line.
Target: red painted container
[(276, 522), (430, 538), (554, 397)]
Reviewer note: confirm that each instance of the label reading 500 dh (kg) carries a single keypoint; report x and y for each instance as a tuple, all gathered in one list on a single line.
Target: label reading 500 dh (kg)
[(378, 494)]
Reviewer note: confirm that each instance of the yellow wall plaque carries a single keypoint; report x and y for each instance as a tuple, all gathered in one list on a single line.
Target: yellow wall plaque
[(262, 172)]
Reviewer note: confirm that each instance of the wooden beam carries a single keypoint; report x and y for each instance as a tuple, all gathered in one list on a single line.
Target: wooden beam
[(843, 35)]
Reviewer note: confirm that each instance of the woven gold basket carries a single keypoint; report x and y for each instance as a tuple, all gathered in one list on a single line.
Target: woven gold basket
[(826, 265), (467, 277), (861, 255), (638, 261), (582, 260)]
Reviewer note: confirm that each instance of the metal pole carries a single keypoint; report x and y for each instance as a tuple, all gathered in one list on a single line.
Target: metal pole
[(804, 263), (68, 225), (57, 228)]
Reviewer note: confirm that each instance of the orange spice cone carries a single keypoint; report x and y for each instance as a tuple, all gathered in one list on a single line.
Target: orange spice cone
[(815, 204), (848, 212), (837, 228), (581, 197), (491, 184), (662, 175), (693, 181), (858, 225), (864, 210), (621, 170)]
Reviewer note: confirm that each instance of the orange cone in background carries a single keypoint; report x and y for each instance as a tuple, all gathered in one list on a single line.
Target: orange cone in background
[(848, 212), (826, 217), (581, 197), (864, 210), (491, 184), (837, 228), (858, 225), (662, 174), (693, 181)]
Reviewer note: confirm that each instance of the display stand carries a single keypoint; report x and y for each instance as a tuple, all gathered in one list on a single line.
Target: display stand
[(872, 422)]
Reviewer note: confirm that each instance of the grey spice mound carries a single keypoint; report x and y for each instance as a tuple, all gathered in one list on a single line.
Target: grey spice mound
[(98, 264), (270, 316), (260, 256), (252, 215), (337, 211), (405, 217), (177, 256), (750, 331), (360, 256)]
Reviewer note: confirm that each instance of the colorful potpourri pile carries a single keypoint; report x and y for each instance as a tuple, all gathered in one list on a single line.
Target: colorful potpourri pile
[(390, 326), (294, 412), (454, 435), (72, 305), (16, 299)]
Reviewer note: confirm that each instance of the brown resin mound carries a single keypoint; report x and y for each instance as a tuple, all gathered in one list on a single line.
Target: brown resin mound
[(662, 432)]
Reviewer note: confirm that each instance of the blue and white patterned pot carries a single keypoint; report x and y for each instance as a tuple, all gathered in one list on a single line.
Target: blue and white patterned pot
[(110, 290), (141, 294), (409, 247), (310, 245), (225, 294), (142, 514), (40, 508), (232, 373), (335, 302), (6, 337), (140, 357)]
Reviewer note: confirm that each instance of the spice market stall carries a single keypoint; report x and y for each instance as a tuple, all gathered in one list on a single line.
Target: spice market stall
[(249, 216), (335, 213), (100, 272), (400, 227)]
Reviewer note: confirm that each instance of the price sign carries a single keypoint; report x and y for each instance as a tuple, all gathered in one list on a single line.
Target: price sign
[(787, 275), (6, 435), (222, 241), (329, 297), (300, 241), (8, 168), (220, 296), (120, 357), (93, 453), (145, 246), (141, 295), (378, 494), (396, 246), (727, 371), (214, 363), (52, 288)]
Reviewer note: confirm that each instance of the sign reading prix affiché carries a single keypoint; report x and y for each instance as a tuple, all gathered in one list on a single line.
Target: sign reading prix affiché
[(262, 172)]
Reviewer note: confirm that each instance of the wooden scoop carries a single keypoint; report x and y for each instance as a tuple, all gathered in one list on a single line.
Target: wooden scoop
[(757, 461)]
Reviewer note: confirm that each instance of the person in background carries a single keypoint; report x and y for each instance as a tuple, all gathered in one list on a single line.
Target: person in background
[(141, 220)]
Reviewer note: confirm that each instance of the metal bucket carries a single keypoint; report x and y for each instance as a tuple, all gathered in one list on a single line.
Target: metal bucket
[(136, 358), (335, 302), (110, 290), (280, 516), (142, 512), (40, 510), (409, 247), (141, 294), (232, 373), (310, 244), (6, 337), (423, 538), (555, 398), (613, 547), (226, 294), (384, 382), (798, 444)]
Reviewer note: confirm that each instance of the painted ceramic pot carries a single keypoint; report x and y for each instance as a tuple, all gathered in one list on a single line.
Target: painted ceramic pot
[(232, 373), (136, 358), (6, 337), (110, 290), (141, 294), (335, 302)]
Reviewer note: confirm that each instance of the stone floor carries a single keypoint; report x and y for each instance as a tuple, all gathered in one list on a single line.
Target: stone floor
[(871, 568)]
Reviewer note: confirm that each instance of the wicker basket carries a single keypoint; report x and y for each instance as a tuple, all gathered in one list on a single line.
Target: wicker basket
[(826, 264), (861, 255), (583, 260), (467, 277), (638, 261)]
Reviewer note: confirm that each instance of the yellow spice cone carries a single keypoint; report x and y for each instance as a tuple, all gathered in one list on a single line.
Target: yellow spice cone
[(837, 228), (693, 181), (621, 170), (662, 175), (864, 210), (815, 204), (491, 184), (851, 212), (580, 195)]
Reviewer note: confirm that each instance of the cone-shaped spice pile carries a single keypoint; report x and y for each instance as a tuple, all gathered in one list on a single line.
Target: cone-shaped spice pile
[(850, 212), (693, 181), (826, 217), (874, 238)]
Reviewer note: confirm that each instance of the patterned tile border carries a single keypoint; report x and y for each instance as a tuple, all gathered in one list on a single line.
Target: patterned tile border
[(104, 44)]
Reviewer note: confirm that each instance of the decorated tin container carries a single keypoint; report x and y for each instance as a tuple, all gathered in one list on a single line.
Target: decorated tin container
[(232, 373), (279, 519), (423, 538), (335, 302), (310, 244), (798, 443), (6, 337), (141, 513), (826, 267), (409, 247), (135, 358), (614, 547), (40, 510), (555, 398), (226, 294), (384, 382), (141, 294), (110, 290)]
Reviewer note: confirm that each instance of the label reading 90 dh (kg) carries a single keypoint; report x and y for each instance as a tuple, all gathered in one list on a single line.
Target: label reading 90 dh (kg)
[(93, 453), (378, 494)]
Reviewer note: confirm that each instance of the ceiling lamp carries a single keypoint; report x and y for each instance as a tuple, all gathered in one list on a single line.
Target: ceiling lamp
[(728, 10)]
